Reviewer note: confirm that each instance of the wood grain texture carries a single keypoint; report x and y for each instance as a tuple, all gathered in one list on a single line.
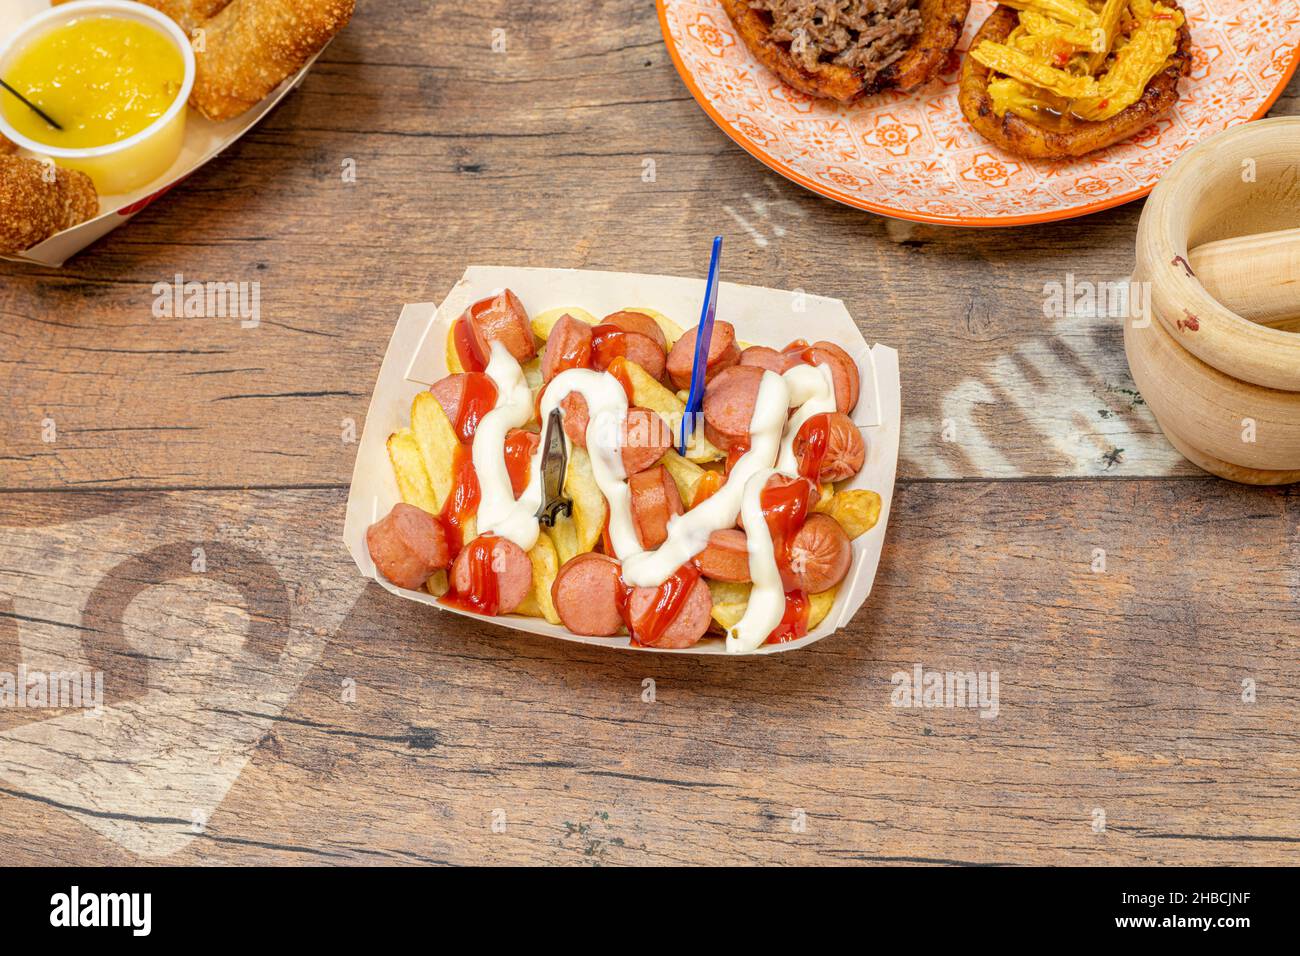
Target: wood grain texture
[(227, 737), (1119, 691), (533, 156)]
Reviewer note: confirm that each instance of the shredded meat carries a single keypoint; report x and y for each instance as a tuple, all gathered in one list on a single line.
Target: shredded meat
[(867, 35)]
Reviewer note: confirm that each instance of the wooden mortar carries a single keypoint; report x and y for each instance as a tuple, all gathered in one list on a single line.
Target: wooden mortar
[(1224, 389)]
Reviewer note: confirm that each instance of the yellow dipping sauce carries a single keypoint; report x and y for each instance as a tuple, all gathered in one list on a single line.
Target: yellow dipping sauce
[(103, 78)]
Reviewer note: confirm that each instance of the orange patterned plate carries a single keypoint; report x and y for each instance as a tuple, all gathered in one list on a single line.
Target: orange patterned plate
[(914, 156)]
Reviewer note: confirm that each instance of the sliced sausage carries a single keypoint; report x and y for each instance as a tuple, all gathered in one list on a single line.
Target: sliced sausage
[(845, 448), (770, 359), (587, 593), (687, 627), (729, 404), (633, 346), (569, 346), (655, 500), (501, 318), (646, 437), (726, 558), (449, 391), (723, 353), (638, 322), (408, 545), (820, 554), (844, 371), (514, 572)]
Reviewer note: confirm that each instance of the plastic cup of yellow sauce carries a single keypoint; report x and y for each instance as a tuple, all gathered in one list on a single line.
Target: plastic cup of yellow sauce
[(115, 75)]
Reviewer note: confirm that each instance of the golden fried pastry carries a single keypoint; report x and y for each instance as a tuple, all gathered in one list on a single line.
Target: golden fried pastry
[(34, 204), (251, 46), (1066, 95), (188, 13), (6, 147), (846, 49)]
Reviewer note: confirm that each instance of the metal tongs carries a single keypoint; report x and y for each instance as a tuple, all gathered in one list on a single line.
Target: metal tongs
[(555, 461)]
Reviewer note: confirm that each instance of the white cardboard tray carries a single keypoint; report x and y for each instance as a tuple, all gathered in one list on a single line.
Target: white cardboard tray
[(204, 140), (416, 357)]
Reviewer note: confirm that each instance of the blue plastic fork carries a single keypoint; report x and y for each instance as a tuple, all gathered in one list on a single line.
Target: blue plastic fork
[(703, 334)]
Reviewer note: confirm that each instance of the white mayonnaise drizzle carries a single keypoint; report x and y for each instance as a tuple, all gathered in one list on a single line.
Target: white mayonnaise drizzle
[(498, 511), (688, 534), (812, 389), (766, 604), (513, 409)]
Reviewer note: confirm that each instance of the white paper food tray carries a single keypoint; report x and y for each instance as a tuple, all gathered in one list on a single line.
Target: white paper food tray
[(204, 139), (416, 357)]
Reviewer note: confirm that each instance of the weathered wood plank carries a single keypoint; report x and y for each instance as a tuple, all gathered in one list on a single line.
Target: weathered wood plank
[(534, 156), (1120, 691)]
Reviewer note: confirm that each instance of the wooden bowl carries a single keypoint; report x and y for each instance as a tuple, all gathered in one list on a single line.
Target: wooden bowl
[(1225, 390)]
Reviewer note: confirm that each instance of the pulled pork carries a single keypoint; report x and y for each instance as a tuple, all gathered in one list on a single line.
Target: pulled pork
[(867, 35)]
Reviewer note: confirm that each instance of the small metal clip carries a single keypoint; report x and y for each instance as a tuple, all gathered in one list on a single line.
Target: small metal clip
[(555, 462)]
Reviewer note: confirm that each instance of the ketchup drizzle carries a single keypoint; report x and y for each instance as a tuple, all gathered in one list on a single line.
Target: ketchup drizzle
[(785, 508), (519, 459), (794, 622), (462, 503), (663, 610), (471, 357), (483, 595), (608, 342), (479, 398), (812, 440)]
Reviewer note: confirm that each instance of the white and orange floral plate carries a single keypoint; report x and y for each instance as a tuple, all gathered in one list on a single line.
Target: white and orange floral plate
[(914, 156)]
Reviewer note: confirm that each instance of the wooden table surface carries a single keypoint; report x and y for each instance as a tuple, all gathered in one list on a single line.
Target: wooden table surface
[(273, 707)]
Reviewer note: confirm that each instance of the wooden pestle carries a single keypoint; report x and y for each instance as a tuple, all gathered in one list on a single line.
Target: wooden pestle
[(1256, 276)]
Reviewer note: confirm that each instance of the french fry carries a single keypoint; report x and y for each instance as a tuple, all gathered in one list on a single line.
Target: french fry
[(729, 602), (819, 605), (533, 374), (408, 467), (453, 357), (436, 440), (589, 507), (546, 566), (685, 474), (438, 585), (857, 510), (564, 535), (543, 322)]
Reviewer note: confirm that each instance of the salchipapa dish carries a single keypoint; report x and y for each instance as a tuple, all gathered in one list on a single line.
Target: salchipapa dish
[(743, 539)]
